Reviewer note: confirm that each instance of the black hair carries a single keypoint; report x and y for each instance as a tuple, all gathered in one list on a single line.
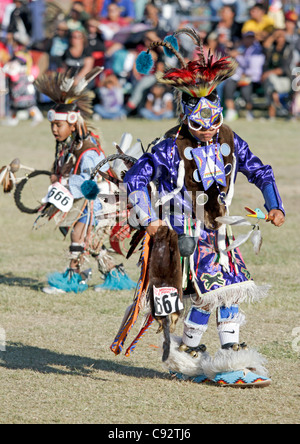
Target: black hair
[(260, 6), (192, 101), (65, 108)]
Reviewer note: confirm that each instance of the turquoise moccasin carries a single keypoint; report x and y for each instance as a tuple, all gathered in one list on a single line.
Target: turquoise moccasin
[(241, 378)]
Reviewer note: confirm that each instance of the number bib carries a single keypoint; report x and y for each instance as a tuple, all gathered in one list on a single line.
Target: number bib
[(166, 301), (60, 197)]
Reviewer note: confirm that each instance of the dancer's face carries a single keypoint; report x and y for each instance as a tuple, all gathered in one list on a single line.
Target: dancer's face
[(204, 135), (61, 130)]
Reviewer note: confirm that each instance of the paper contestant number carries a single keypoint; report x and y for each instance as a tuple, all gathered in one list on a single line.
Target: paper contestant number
[(60, 197), (166, 301)]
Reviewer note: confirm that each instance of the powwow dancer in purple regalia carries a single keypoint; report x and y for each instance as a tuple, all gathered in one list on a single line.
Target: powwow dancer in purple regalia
[(192, 171)]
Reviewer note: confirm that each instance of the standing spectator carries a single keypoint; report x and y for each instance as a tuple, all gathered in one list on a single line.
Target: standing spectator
[(260, 23), (251, 60), (111, 98), (78, 55), (277, 76), (159, 104)]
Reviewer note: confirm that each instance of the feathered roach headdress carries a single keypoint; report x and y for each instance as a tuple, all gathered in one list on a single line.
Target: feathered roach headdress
[(197, 78), (195, 81), (73, 103)]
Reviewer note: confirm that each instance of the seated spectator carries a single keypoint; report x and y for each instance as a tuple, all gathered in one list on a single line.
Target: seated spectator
[(142, 83), (159, 104), (95, 38), (77, 17), (116, 55), (20, 24), (126, 7), (212, 43), (229, 25), (276, 13), (292, 32), (293, 38), (260, 23), (112, 22), (111, 98), (277, 76), (58, 46), (153, 18), (78, 55), (239, 6), (251, 60)]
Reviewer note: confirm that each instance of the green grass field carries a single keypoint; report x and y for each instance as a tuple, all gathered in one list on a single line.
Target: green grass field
[(58, 368)]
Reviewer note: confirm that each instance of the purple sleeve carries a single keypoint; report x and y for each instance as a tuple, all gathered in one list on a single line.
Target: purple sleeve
[(141, 174), (148, 168)]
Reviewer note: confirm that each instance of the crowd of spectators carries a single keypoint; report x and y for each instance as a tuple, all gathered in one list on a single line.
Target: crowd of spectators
[(38, 35)]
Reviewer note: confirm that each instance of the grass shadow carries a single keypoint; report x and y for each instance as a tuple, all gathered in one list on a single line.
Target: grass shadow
[(19, 356), (11, 280)]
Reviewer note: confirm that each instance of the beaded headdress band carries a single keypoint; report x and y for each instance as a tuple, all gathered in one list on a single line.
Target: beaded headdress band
[(73, 101)]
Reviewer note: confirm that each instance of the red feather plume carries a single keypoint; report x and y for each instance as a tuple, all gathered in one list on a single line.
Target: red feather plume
[(200, 77)]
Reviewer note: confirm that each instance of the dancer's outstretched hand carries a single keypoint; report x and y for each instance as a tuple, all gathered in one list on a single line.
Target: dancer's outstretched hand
[(276, 217)]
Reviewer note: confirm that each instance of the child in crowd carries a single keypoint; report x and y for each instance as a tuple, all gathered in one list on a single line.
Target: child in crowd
[(159, 104), (111, 98)]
